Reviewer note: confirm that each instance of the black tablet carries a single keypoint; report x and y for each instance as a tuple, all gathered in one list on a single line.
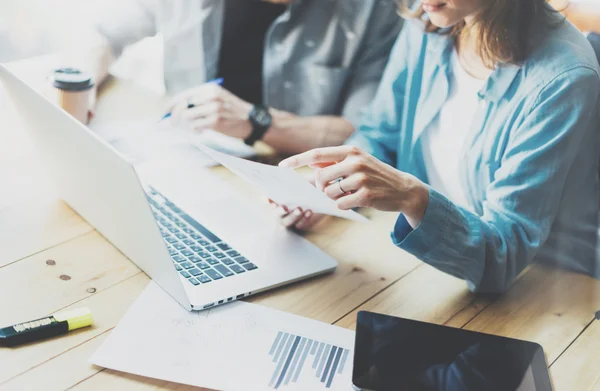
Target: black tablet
[(406, 355)]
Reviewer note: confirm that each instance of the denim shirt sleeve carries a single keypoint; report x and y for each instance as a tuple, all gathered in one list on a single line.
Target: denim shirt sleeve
[(378, 132), (489, 251), (373, 54)]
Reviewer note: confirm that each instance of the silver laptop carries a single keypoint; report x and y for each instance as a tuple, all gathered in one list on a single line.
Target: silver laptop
[(202, 253)]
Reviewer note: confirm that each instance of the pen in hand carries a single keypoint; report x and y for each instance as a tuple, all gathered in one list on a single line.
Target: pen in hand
[(218, 81)]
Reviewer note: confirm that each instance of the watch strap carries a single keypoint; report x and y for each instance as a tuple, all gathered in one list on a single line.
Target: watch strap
[(259, 128)]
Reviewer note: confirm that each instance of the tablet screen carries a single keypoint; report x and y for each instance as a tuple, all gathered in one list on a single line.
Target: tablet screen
[(406, 355)]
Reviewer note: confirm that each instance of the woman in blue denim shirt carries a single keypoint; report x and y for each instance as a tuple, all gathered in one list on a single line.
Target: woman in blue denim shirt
[(484, 136)]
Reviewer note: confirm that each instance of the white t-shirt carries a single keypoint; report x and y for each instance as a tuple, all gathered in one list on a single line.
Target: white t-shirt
[(444, 138)]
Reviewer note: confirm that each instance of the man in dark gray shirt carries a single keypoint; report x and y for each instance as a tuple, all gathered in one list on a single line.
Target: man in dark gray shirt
[(318, 63)]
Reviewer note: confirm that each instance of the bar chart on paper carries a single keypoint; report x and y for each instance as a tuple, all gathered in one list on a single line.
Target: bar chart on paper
[(295, 358), (238, 347)]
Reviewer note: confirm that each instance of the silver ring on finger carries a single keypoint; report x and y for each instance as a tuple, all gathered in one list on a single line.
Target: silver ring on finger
[(340, 186)]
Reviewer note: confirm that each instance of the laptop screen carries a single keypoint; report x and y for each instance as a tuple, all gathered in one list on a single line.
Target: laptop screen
[(406, 355)]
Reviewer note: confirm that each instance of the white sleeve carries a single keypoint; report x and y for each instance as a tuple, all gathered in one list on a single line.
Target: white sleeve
[(126, 22)]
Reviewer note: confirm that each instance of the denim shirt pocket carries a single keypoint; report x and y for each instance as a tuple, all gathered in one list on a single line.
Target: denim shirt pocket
[(313, 89)]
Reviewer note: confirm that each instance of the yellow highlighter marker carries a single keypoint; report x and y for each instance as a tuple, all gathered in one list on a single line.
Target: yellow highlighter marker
[(51, 326)]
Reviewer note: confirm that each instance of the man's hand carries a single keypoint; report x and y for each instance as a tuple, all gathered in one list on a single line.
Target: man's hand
[(213, 108)]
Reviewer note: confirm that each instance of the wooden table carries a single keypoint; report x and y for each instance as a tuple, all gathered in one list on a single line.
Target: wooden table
[(51, 259)]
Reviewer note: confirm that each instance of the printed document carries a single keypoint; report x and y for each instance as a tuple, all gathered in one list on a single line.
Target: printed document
[(283, 185), (237, 346)]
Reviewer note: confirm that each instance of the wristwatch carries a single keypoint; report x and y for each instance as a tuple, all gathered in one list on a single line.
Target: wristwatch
[(261, 120)]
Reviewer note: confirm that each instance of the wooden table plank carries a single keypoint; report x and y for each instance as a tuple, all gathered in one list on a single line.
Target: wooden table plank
[(427, 295), (30, 227), (52, 374), (37, 288), (547, 306), (113, 380), (578, 368), (63, 361), (361, 274)]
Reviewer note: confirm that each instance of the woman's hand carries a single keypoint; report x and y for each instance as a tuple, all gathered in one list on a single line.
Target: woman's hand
[(354, 178), (298, 219), (213, 108)]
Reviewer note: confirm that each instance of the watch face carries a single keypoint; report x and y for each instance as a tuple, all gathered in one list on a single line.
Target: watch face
[(262, 117)]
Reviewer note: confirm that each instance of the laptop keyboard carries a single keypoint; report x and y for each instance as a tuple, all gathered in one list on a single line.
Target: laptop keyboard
[(199, 255)]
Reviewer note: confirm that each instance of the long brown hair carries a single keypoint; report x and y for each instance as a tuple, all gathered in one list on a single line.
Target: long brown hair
[(503, 28)]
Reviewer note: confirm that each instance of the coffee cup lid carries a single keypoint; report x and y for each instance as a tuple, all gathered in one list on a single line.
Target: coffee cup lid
[(71, 79)]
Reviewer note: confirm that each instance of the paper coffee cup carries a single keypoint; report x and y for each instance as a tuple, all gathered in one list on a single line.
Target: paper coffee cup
[(72, 89)]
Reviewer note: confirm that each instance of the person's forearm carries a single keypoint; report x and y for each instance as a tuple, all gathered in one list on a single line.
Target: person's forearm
[(99, 61), (290, 134)]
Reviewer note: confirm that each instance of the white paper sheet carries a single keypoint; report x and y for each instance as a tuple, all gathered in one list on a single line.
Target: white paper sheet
[(142, 141), (283, 185), (238, 346)]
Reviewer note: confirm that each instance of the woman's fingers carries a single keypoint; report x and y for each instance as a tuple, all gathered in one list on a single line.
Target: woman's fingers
[(347, 185), (291, 219), (326, 176), (321, 165), (350, 200), (282, 211), (335, 190), (319, 155), (297, 218), (304, 221), (308, 221)]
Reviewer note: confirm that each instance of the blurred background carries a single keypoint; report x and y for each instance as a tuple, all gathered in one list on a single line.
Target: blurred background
[(40, 27), (35, 27)]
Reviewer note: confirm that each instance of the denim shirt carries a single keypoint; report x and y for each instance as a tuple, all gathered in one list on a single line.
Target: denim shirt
[(320, 57), (529, 164)]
